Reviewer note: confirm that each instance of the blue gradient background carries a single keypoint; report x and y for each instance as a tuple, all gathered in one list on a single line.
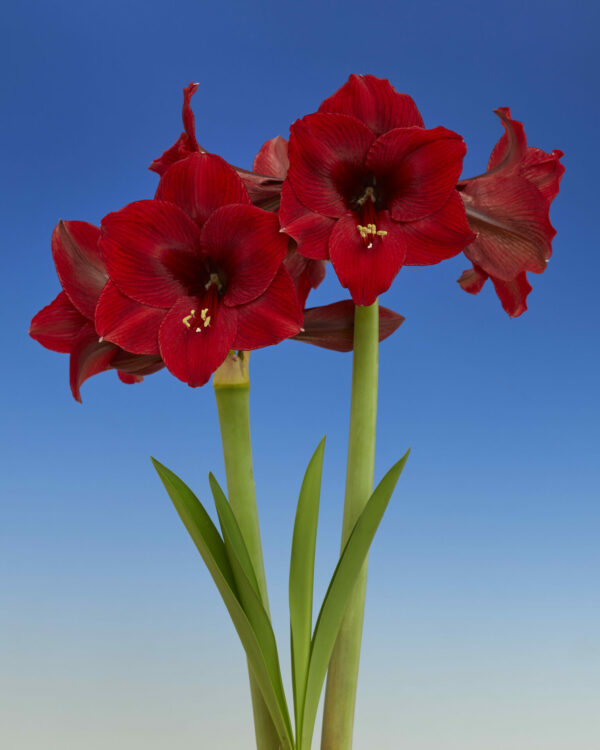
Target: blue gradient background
[(483, 613)]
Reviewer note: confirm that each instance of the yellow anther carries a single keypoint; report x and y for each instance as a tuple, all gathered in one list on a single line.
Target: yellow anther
[(186, 320), (207, 321), (381, 233), (203, 313)]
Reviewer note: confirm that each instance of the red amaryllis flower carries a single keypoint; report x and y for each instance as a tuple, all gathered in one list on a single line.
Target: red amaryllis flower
[(508, 208), (264, 189), (67, 324), (196, 272), (371, 189)]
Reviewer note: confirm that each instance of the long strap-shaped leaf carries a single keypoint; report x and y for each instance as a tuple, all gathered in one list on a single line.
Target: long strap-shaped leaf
[(338, 593), (212, 548), (248, 595), (302, 570)]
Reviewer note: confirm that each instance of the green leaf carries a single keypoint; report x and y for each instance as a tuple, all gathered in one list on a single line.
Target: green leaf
[(232, 534), (212, 548), (339, 591), (248, 594), (302, 569)]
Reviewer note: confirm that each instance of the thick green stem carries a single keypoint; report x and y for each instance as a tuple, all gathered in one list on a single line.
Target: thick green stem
[(232, 392), (342, 677)]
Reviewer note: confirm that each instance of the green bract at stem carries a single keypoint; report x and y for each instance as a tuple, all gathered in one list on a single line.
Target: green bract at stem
[(340, 694), (232, 391)]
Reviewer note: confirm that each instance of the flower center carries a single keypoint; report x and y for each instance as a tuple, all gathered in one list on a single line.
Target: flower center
[(197, 322), (368, 218)]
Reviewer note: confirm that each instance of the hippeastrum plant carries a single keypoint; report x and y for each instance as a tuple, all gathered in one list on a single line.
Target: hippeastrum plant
[(221, 261)]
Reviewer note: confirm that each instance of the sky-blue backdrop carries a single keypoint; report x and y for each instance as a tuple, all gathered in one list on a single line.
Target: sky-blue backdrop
[(483, 611)]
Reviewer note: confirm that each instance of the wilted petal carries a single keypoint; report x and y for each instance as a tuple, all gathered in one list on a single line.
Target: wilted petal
[(274, 316), (375, 102), (367, 272), (200, 184), (79, 263), (332, 326), (58, 325)]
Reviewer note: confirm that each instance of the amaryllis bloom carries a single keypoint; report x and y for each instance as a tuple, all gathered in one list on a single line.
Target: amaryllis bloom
[(196, 272), (264, 190), (263, 184), (371, 189), (508, 208), (67, 324)]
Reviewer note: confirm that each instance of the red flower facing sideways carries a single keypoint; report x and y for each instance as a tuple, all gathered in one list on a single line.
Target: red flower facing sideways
[(508, 208), (264, 189), (67, 324), (196, 272), (371, 189)]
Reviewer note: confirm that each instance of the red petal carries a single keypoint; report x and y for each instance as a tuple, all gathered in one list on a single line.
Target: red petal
[(191, 355), (272, 159), (79, 263), (375, 102), (366, 272), (310, 230), (417, 169), (128, 379), (438, 236), (543, 170), (152, 252), (136, 365), (332, 326), (247, 247), (510, 217), (274, 316), (510, 149), (186, 144), (473, 279), (306, 274), (89, 356), (513, 294), (200, 184), (57, 325), (327, 161), (128, 324)]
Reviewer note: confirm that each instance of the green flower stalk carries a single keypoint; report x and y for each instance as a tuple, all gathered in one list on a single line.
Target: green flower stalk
[(232, 392), (340, 695)]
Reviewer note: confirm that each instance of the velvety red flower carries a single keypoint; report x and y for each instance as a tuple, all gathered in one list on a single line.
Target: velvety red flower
[(67, 324), (264, 189), (508, 208), (371, 189), (196, 272)]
